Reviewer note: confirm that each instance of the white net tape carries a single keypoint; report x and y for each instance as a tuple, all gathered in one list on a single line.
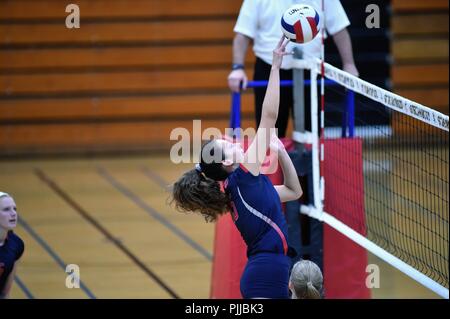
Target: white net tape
[(388, 99)]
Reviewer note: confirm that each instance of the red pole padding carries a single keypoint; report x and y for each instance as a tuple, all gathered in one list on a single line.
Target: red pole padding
[(344, 261)]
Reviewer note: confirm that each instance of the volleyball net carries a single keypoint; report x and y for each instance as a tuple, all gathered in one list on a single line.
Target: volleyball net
[(391, 155)]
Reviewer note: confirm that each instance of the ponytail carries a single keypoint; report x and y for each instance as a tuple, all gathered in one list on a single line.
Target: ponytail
[(306, 280), (194, 192), (311, 291), (198, 190)]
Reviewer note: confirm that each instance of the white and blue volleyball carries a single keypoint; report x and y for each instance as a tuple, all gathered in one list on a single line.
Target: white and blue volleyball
[(300, 23)]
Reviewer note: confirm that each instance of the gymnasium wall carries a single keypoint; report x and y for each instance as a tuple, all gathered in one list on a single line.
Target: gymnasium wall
[(132, 72), (420, 51), (136, 69)]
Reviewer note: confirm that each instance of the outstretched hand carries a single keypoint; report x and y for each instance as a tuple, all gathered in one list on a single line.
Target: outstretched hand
[(280, 52)]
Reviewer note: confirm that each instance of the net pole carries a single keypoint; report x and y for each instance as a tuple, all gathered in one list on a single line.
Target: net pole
[(299, 99), (350, 104), (235, 120), (322, 107), (315, 141)]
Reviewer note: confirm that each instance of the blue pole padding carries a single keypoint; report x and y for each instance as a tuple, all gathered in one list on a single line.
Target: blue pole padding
[(351, 112), (257, 84), (254, 84), (235, 110), (344, 122)]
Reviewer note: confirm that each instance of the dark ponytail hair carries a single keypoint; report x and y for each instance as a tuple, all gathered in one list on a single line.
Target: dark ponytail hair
[(198, 190)]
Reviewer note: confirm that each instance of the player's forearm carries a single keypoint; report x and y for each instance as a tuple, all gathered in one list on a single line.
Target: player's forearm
[(9, 281), (5, 293), (240, 46), (272, 98), (290, 178), (344, 45)]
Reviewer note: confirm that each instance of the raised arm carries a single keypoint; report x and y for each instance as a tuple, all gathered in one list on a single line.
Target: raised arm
[(256, 152)]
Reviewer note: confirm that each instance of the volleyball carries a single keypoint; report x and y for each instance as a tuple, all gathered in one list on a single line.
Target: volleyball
[(300, 23)]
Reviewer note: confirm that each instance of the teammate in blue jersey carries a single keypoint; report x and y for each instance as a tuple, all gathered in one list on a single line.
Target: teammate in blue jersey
[(255, 204), (11, 246)]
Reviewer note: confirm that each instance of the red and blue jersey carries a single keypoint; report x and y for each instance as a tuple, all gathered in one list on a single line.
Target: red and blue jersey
[(11, 251), (257, 212)]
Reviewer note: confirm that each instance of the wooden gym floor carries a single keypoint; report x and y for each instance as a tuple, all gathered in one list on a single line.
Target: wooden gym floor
[(110, 217)]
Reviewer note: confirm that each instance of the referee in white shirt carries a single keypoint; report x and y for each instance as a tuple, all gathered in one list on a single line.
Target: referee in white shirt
[(260, 21)]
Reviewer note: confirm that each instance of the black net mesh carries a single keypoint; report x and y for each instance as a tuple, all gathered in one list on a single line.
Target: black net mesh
[(405, 181)]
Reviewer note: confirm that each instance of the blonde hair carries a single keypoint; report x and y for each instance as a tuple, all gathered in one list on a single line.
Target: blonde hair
[(306, 280), (2, 194)]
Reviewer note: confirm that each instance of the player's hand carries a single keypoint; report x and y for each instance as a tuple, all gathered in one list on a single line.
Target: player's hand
[(235, 78), (280, 52)]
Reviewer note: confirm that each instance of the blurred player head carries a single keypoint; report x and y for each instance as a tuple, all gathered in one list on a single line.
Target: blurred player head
[(8, 212), (306, 280)]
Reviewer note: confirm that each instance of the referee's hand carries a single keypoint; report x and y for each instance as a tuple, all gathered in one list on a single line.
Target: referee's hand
[(235, 79)]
